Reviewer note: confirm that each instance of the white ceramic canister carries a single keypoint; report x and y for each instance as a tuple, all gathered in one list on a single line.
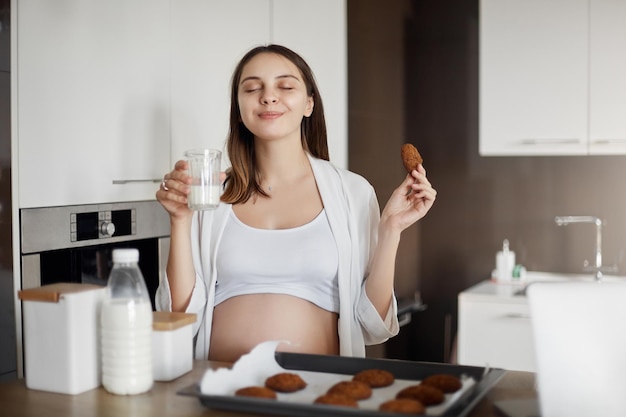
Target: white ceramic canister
[(61, 337), (172, 344)]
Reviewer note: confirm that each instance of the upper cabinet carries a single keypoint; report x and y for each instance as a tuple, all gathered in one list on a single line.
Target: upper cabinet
[(607, 75), (552, 77), (110, 94), (208, 39), (296, 24), (92, 100)]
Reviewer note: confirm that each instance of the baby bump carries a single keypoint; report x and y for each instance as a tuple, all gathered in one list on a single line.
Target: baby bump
[(242, 322)]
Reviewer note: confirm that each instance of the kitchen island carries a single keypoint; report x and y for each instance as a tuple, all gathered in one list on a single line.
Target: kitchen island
[(162, 400)]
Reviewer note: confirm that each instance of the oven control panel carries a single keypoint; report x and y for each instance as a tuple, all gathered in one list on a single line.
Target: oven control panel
[(46, 229), (102, 224)]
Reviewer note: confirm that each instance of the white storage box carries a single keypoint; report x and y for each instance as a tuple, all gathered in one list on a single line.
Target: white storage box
[(61, 341), (172, 344)]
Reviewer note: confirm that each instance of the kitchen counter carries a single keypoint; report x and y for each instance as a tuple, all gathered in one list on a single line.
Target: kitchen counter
[(18, 401), (494, 323), (491, 290)]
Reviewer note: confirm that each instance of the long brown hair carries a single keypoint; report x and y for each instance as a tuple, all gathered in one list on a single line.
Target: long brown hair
[(242, 179)]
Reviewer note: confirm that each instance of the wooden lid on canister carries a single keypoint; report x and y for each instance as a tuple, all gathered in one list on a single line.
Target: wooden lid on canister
[(52, 292), (166, 320)]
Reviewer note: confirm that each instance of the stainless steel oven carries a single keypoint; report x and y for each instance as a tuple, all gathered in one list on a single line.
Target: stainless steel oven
[(74, 243)]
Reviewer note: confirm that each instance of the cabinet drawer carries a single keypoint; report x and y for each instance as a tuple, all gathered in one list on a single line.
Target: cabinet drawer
[(495, 333)]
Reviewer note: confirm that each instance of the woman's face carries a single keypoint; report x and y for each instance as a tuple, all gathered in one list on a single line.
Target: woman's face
[(273, 97)]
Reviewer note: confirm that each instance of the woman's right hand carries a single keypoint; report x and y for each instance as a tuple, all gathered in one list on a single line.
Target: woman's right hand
[(173, 191)]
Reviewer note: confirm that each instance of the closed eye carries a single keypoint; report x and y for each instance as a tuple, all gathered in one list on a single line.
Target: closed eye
[(251, 85)]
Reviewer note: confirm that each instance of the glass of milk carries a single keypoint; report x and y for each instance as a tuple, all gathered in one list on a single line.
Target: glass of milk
[(204, 169)]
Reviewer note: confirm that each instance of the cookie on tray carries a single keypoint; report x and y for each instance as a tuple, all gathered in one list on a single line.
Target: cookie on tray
[(425, 394), (285, 382), (336, 399), (257, 392), (375, 378), (445, 382), (354, 389), (403, 406)]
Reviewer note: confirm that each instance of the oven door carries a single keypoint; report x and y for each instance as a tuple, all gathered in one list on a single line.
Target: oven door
[(92, 264)]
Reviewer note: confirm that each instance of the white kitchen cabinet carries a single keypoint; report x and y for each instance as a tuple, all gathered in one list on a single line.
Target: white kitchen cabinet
[(552, 77), (111, 94), (296, 24), (607, 86), (208, 39), (494, 328), (93, 100)]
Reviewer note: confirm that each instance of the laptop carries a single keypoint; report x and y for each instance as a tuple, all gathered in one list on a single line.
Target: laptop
[(579, 330)]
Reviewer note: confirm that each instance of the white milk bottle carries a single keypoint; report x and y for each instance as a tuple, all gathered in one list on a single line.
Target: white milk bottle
[(126, 328)]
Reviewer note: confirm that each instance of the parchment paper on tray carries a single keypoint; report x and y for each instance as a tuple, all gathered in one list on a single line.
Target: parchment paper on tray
[(251, 369), (255, 367)]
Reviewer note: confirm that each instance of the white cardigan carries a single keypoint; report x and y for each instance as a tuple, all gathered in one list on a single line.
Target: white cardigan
[(353, 213)]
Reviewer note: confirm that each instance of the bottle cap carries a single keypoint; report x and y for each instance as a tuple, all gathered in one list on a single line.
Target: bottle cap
[(125, 255)]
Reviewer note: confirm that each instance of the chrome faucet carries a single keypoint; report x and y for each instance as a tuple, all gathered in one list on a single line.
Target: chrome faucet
[(565, 220)]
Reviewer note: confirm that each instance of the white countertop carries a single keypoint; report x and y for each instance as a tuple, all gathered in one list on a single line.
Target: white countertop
[(491, 289)]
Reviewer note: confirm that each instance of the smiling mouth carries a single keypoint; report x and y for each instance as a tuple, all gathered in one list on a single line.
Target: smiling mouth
[(270, 115)]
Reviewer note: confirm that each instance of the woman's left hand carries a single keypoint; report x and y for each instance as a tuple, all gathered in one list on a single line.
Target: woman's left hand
[(410, 201)]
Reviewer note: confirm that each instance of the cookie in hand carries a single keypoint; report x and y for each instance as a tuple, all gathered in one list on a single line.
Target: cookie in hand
[(411, 158)]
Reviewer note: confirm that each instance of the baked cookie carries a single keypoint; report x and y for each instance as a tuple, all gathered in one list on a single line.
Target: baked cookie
[(336, 399), (411, 158), (285, 382), (425, 394), (403, 406), (445, 382), (257, 392), (375, 378), (353, 389)]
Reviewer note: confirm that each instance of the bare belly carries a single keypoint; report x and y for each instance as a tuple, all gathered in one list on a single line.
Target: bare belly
[(240, 323)]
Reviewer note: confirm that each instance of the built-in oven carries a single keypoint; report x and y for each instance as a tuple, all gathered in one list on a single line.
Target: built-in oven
[(75, 243)]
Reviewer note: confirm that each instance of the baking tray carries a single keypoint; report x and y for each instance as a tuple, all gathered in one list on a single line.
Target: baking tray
[(485, 379)]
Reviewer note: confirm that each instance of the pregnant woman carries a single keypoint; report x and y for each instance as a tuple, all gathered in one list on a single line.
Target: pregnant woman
[(298, 249)]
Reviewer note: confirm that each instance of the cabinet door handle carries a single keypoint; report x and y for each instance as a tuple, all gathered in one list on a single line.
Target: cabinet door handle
[(154, 180), (555, 141), (601, 141), (517, 316)]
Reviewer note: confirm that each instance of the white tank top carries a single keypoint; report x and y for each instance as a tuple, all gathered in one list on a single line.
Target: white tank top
[(301, 262)]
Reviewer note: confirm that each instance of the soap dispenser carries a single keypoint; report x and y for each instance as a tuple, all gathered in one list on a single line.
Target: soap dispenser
[(505, 262)]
